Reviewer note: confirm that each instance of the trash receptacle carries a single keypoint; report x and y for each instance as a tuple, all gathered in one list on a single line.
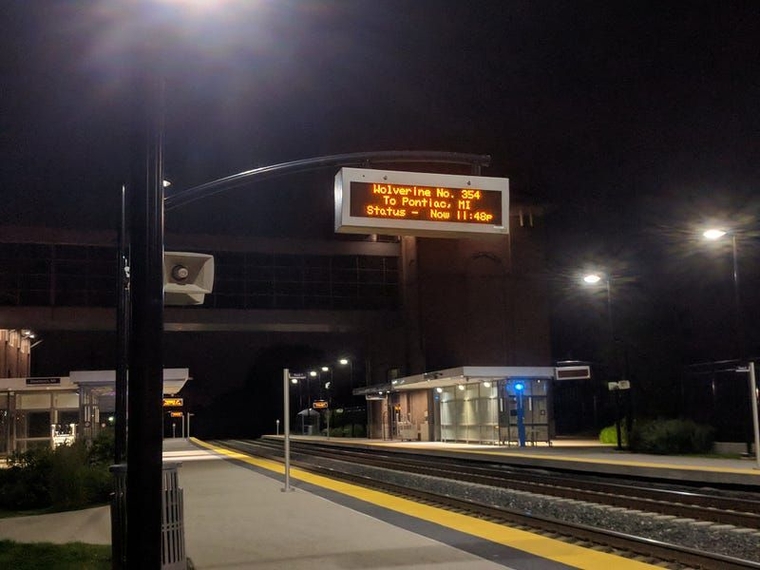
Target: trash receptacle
[(173, 556)]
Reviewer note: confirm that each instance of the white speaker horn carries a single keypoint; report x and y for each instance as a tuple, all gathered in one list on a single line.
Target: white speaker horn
[(188, 277)]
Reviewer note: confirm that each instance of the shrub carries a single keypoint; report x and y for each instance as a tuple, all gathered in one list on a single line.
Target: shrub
[(102, 447), (671, 437), (68, 476), (25, 484), (71, 476), (609, 434)]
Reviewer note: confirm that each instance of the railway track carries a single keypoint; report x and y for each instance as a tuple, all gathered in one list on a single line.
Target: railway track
[(699, 509)]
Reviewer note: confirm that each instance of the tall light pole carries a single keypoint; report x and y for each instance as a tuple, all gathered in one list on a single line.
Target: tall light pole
[(146, 320), (321, 385), (714, 234), (189, 415), (327, 385), (594, 279), (312, 374), (350, 364)]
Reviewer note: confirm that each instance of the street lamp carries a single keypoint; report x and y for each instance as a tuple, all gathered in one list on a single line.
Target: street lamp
[(346, 362), (326, 386), (189, 415), (295, 382), (595, 278), (714, 234)]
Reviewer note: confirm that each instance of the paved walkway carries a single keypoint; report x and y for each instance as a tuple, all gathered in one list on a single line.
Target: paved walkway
[(92, 526)]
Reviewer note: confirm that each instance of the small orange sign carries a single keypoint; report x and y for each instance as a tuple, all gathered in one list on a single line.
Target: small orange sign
[(172, 402), (319, 404), (175, 414)]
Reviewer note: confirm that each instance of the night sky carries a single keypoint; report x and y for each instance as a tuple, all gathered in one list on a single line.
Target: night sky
[(633, 123)]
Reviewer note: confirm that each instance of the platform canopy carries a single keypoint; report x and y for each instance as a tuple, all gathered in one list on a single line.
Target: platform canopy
[(174, 378), (455, 376)]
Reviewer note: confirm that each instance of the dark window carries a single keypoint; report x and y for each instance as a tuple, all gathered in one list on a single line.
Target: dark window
[(87, 276)]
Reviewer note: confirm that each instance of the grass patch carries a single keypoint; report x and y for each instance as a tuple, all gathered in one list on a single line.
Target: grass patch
[(44, 555)]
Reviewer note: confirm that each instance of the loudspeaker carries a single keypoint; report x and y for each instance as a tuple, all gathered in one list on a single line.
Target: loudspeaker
[(187, 277)]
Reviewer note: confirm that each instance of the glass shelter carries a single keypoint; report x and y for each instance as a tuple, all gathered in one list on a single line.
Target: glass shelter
[(471, 404)]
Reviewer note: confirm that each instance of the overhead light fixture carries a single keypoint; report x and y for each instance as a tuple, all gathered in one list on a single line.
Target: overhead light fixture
[(592, 278), (461, 386), (439, 390), (713, 234), (486, 384)]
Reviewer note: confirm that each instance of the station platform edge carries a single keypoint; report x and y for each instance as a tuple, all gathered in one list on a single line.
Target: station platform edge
[(581, 455)]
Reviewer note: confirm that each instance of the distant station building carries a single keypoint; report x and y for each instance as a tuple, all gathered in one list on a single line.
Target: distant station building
[(50, 411)]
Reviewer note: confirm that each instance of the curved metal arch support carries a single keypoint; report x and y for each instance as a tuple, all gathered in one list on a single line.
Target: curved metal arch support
[(361, 159)]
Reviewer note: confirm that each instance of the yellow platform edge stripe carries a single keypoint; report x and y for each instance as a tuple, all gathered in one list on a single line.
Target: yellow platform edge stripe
[(572, 555)]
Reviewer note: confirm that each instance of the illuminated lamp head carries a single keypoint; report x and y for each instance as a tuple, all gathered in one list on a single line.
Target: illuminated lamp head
[(519, 386)]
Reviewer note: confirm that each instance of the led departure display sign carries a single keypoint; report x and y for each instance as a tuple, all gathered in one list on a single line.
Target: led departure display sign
[(415, 203)]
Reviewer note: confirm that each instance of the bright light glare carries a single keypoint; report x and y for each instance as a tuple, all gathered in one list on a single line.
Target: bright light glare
[(294, 380), (592, 278), (343, 361), (713, 234), (325, 369), (312, 373), (486, 384), (461, 386)]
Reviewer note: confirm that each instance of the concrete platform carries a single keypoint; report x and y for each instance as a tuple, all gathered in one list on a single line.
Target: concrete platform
[(237, 518)]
